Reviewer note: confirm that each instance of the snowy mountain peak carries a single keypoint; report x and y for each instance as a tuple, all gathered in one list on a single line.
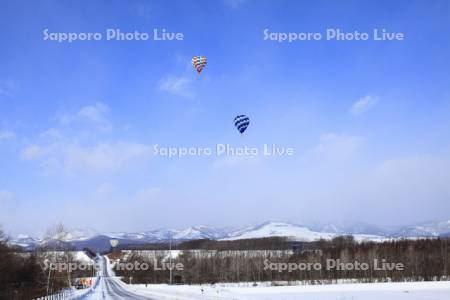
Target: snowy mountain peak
[(80, 234), (279, 229), (199, 232), (427, 229), (360, 231), (22, 236)]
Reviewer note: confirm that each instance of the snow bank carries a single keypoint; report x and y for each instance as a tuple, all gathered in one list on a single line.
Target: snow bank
[(369, 291)]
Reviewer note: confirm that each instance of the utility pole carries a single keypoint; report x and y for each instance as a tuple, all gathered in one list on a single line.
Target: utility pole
[(170, 260), (48, 280)]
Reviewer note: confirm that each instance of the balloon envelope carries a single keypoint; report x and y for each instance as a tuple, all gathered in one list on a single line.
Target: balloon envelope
[(241, 122), (114, 243), (198, 62)]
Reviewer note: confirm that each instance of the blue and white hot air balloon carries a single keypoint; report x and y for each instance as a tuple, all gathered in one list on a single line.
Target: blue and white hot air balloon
[(241, 122)]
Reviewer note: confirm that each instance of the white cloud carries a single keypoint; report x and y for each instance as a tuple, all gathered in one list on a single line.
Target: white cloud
[(72, 157), (178, 86), (71, 151), (142, 10), (6, 134), (51, 134), (5, 195), (8, 87), (148, 194), (6, 207), (363, 105), (97, 115), (236, 161), (415, 171), (233, 3), (33, 152), (334, 146), (105, 191), (416, 187)]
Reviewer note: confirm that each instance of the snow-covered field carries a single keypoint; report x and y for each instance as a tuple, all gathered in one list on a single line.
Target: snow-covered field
[(360, 291), (81, 256)]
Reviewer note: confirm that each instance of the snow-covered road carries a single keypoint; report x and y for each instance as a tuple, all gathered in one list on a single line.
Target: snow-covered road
[(110, 288)]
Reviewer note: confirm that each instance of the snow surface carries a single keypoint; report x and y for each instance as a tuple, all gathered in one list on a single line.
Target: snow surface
[(358, 291), (79, 234), (280, 229), (429, 229), (81, 256), (264, 291), (294, 232)]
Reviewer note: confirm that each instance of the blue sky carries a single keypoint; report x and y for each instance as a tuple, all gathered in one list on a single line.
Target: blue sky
[(369, 120)]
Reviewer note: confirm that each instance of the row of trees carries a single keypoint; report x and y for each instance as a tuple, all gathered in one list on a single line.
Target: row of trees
[(27, 275), (269, 243), (424, 259), (20, 275)]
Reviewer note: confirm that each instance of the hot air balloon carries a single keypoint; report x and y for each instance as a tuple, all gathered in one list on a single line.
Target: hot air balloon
[(198, 62), (241, 122), (114, 242)]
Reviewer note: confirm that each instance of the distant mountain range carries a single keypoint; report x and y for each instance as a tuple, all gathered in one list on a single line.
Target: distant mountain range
[(99, 241)]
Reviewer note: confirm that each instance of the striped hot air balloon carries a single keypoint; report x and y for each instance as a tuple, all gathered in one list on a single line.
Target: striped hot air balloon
[(241, 122), (198, 62)]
